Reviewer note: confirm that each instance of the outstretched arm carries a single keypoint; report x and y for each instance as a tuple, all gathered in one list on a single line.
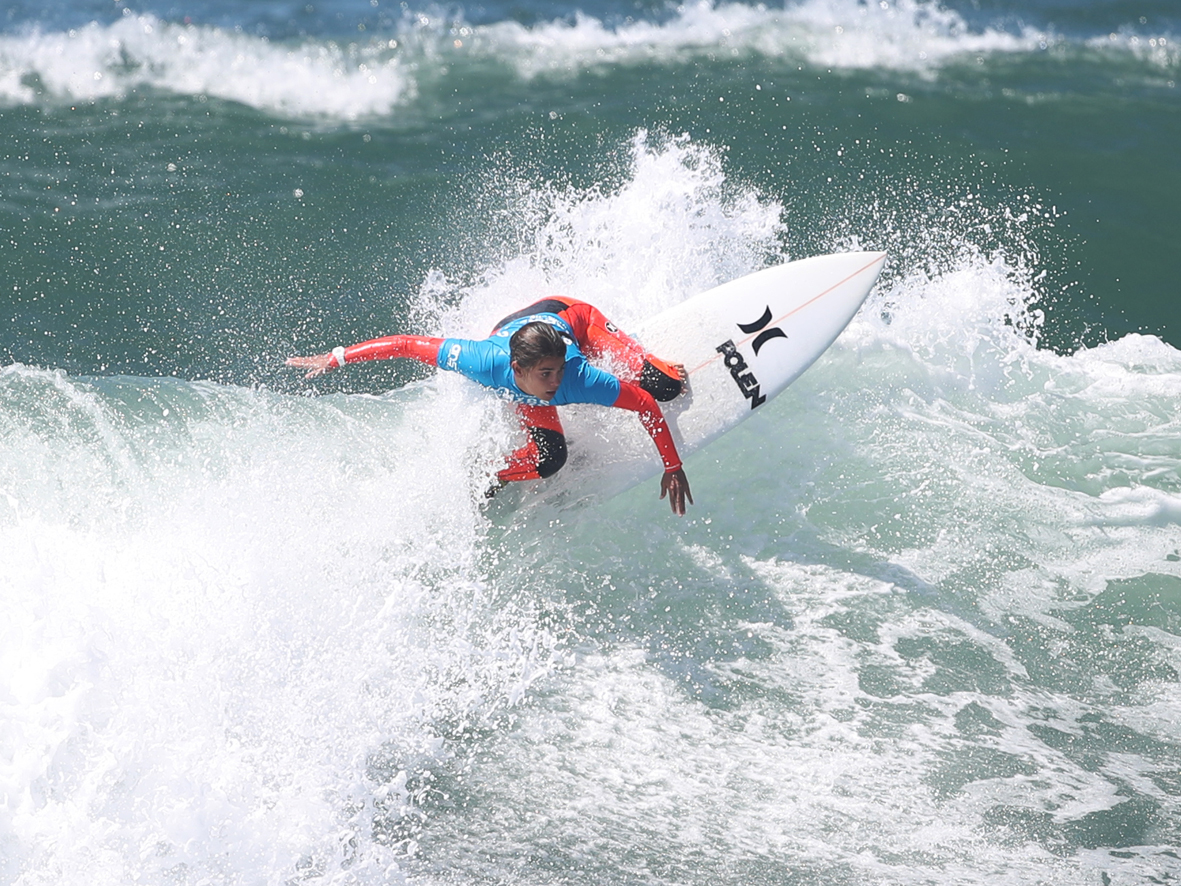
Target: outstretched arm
[(422, 348), (673, 485)]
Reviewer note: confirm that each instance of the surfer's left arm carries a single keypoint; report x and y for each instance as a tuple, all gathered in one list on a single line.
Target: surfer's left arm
[(422, 348), (674, 484)]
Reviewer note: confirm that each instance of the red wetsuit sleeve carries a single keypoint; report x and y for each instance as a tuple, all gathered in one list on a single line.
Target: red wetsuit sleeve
[(422, 348), (636, 399)]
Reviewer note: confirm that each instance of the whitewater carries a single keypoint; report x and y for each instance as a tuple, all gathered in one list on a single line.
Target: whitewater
[(253, 637), (418, 54)]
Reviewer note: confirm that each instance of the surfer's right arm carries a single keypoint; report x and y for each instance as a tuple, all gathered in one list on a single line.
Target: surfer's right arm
[(422, 348), (674, 484)]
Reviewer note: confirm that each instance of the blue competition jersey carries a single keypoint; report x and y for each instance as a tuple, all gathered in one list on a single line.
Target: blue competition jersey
[(488, 362)]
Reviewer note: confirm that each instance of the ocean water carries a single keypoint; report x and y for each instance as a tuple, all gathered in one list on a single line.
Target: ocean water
[(923, 623)]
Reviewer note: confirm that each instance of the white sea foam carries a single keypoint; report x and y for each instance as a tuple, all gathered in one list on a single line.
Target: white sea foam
[(311, 78), (802, 770), (1159, 50), (223, 644), (893, 34), (346, 80)]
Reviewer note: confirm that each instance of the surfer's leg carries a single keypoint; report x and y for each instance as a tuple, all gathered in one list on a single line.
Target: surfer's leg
[(544, 453), (599, 337), (660, 379)]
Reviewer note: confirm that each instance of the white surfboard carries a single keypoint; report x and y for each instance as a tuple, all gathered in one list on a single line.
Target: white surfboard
[(742, 343)]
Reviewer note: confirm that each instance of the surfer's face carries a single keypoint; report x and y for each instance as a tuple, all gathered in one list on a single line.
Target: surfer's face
[(542, 379)]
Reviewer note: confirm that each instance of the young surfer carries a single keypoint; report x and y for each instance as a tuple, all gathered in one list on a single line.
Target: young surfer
[(538, 358)]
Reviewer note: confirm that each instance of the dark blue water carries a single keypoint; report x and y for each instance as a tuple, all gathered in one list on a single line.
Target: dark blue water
[(924, 621)]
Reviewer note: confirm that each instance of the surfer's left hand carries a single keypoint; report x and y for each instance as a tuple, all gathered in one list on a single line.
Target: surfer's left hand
[(317, 365), (675, 485)]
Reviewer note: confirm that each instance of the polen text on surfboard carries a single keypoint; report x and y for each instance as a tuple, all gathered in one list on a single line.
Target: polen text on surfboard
[(746, 381)]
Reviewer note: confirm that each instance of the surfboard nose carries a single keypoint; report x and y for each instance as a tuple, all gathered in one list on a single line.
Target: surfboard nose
[(876, 259)]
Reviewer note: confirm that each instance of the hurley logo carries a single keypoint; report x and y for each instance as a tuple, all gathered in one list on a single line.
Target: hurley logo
[(746, 381), (766, 335)]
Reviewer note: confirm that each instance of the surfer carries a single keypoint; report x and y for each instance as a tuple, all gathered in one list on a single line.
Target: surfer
[(537, 357)]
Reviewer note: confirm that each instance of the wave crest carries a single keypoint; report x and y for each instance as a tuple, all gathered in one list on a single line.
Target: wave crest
[(110, 61), (352, 79)]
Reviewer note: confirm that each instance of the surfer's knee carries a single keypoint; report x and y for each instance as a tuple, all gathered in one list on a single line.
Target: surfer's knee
[(551, 451), (657, 382)]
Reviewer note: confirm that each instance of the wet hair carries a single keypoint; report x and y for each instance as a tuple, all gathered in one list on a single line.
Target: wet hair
[(534, 342)]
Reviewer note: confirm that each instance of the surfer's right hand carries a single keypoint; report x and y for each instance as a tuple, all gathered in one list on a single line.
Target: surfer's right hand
[(316, 365)]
